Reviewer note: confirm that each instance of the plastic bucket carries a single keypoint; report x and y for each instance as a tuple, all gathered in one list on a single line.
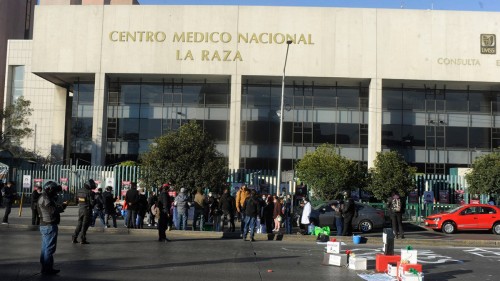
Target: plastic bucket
[(356, 239)]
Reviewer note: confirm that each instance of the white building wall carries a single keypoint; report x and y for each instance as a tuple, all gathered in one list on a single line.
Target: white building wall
[(47, 101)]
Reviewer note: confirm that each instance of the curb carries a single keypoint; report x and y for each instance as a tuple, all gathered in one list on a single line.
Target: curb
[(375, 241)]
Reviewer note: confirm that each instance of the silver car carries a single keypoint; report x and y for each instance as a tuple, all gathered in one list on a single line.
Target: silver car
[(368, 217)]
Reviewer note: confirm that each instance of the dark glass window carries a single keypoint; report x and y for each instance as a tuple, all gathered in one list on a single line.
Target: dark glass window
[(414, 99), (456, 137), (479, 137), (257, 132), (456, 101), (152, 94), (479, 102), (287, 132), (348, 97), (130, 94), (325, 97), (391, 134), (192, 96), (347, 134), (413, 135), (128, 129), (392, 99), (324, 133), (82, 128), (150, 129), (217, 129)]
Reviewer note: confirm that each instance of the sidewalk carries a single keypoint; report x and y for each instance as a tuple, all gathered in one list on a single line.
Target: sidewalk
[(415, 235)]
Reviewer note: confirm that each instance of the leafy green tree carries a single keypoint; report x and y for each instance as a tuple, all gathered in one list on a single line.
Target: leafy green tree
[(391, 173), (187, 157), (16, 125), (485, 175), (128, 163), (328, 174)]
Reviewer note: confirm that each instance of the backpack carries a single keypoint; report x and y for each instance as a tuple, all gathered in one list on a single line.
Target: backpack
[(396, 205)]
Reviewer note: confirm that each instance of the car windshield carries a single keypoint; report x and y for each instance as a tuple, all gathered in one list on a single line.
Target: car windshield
[(453, 210)]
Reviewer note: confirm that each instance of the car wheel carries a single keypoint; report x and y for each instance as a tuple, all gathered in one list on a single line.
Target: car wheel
[(496, 228), (365, 226), (448, 227)]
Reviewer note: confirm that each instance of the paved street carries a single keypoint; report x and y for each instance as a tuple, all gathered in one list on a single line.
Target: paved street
[(115, 256)]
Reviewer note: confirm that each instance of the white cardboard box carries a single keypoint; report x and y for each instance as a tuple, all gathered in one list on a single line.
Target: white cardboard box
[(412, 277), (409, 255), (333, 247), (335, 259), (357, 263), (392, 270)]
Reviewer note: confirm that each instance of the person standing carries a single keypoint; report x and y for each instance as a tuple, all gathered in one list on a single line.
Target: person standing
[(172, 219), (109, 206), (228, 207), (200, 206), (50, 218), (84, 197), (152, 200), (241, 197), (349, 213), (163, 205), (182, 204), (35, 216), (395, 207), (98, 208), (252, 210), (337, 216), (9, 196), (288, 214), (131, 199), (142, 207), (306, 213), (277, 213), (267, 214)]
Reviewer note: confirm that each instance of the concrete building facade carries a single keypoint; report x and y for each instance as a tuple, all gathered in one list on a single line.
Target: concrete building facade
[(425, 83)]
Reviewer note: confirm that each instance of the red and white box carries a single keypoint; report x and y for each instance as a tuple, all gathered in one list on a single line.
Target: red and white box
[(404, 269), (333, 247), (412, 277)]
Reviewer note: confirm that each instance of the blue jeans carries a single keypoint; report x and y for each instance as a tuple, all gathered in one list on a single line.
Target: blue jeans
[(339, 224), (175, 219), (243, 220), (288, 225), (98, 214), (249, 225), (182, 219), (49, 244)]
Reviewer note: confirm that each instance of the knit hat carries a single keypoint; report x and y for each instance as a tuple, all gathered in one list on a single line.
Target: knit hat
[(183, 190)]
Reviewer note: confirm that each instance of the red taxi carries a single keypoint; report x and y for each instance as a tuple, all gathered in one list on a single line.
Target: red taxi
[(466, 217)]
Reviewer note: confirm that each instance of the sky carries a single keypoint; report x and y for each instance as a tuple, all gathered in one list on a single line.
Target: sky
[(459, 5)]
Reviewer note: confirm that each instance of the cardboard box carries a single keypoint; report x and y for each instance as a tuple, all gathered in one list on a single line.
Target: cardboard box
[(412, 277), (410, 256), (392, 270), (335, 259), (333, 247), (404, 268), (357, 263), (381, 261)]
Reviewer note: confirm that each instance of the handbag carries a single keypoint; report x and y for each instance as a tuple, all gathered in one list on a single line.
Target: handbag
[(279, 218)]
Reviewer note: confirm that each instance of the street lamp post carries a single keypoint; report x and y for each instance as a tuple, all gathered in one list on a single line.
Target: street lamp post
[(278, 189)]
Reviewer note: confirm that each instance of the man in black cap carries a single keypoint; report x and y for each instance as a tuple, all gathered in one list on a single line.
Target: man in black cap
[(50, 218), (84, 198)]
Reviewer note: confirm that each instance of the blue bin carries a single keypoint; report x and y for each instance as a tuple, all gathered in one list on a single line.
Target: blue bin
[(356, 239)]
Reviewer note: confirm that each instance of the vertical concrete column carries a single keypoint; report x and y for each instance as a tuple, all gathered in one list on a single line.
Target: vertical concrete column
[(374, 120), (99, 120), (235, 123)]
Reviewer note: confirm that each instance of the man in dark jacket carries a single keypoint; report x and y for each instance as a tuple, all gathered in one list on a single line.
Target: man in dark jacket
[(163, 205), (109, 206), (349, 212), (252, 210), (9, 196), (85, 198), (396, 209), (228, 207), (50, 218), (152, 200), (35, 216), (98, 208), (132, 199)]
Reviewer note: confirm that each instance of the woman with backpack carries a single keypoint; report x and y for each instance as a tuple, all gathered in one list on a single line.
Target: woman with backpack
[(395, 208)]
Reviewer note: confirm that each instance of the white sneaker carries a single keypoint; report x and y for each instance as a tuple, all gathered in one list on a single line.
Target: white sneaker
[(5, 223), (149, 224)]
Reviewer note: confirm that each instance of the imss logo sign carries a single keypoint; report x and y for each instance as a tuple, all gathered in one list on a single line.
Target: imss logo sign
[(488, 44)]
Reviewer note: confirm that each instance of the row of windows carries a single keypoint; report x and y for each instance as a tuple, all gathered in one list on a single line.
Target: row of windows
[(440, 136), (440, 100)]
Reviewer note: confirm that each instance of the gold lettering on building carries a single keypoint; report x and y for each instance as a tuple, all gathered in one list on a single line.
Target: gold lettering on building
[(459, 61), (137, 36), (202, 37), (274, 38)]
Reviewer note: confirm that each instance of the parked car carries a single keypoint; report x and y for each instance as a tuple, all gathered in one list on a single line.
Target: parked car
[(368, 218), (466, 217)]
